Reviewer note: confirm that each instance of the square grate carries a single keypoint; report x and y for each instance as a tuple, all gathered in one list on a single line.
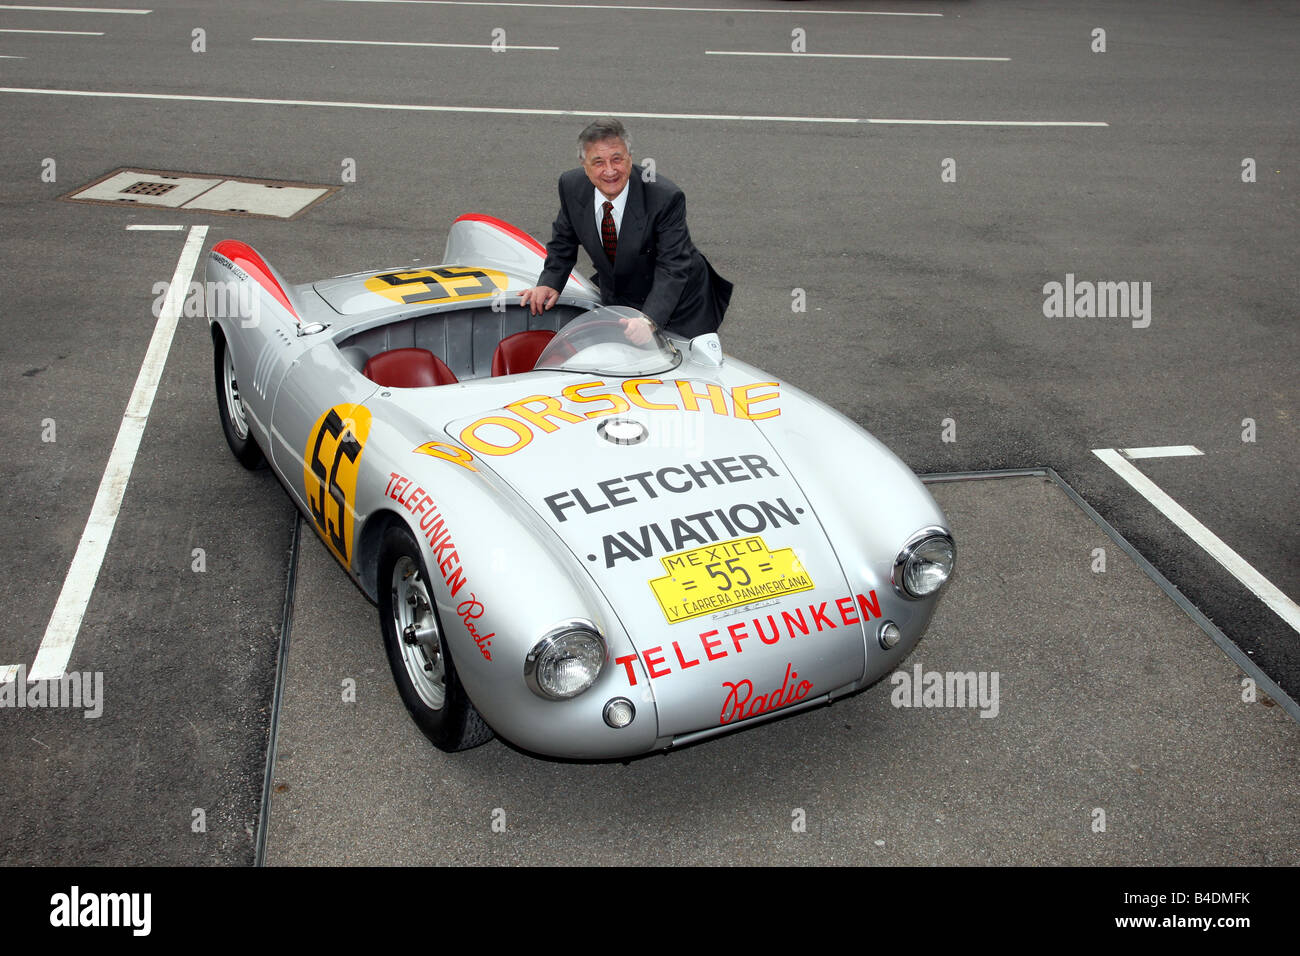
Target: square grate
[(145, 188)]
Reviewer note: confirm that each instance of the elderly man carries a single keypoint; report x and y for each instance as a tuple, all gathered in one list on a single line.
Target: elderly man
[(635, 232)]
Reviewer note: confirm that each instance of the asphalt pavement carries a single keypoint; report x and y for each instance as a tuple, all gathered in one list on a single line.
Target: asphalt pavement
[(1107, 730), (918, 210)]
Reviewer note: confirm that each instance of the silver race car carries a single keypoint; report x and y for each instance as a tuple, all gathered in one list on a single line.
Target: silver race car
[(584, 534)]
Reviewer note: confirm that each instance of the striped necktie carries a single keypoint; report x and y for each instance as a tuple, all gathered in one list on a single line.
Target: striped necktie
[(608, 235)]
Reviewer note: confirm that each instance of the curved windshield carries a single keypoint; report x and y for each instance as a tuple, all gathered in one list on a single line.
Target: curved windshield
[(610, 340)]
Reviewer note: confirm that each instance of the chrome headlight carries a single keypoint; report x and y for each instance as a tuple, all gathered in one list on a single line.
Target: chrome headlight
[(566, 661), (925, 563)]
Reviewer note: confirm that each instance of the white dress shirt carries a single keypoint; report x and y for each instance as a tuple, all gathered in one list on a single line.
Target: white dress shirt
[(619, 202)]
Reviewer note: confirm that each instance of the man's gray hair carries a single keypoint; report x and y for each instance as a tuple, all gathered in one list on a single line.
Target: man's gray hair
[(599, 130)]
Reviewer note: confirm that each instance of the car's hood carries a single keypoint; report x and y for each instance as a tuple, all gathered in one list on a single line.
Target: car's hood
[(702, 541)]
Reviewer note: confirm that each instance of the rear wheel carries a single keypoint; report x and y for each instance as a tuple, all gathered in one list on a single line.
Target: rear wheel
[(234, 420), (417, 652)]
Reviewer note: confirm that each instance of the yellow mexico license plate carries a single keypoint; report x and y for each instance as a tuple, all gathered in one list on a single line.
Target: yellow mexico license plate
[(726, 575)]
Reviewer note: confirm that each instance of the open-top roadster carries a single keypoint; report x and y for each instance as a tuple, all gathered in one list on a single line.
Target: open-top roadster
[(593, 547)]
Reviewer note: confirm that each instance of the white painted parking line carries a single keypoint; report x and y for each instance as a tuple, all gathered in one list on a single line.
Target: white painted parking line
[(7, 673), (517, 111), (65, 622), (898, 121), (627, 6), (458, 46), (1162, 451), (14, 6), (1232, 562), (62, 33), (4, 57), (142, 227), (859, 56)]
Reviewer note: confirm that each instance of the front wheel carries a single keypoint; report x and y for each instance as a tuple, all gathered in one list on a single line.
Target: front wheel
[(234, 420), (417, 653)]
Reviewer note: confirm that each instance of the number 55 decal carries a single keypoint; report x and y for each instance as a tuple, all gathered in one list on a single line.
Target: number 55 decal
[(330, 473), (430, 285)]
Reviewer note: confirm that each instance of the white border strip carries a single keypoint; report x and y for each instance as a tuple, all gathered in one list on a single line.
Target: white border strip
[(511, 111), (62, 33), (625, 6), (458, 46), (1234, 563), (65, 622), (859, 56), (1162, 451), (144, 227), (14, 6)]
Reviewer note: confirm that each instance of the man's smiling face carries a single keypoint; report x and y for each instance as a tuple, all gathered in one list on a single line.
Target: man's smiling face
[(608, 165)]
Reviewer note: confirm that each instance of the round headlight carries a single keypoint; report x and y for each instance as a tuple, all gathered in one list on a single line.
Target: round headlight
[(925, 563), (566, 661)]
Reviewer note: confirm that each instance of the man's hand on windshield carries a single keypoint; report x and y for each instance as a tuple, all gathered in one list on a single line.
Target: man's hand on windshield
[(538, 299), (638, 331)]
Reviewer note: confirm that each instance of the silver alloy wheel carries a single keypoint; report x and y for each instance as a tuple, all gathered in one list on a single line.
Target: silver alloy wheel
[(417, 632), (234, 404)]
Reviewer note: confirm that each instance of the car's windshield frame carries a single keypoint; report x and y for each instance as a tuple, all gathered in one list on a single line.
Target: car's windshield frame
[(605, 336)]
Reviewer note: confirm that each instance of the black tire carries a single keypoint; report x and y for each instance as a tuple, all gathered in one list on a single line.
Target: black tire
[(231, 408), (417, 652)]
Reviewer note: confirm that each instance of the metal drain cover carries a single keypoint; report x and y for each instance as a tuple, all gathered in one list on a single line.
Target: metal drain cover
[(199, 192)]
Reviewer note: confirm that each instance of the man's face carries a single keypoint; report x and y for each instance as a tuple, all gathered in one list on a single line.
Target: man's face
[(608, 165)]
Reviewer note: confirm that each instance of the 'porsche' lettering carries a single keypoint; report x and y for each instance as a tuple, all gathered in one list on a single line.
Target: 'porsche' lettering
[(490, 435), (440, 449), (616, 492), (486, 446), (632, 389), (617, 403), (712, 394), (541, 417)]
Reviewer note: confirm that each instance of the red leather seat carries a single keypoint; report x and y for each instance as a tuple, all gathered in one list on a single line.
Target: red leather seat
[(520, 352), (408, 368)]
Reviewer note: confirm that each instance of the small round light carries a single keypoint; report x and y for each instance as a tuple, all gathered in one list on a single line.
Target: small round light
[(889, 635), (925, 563), (619, 712), (566, 661)]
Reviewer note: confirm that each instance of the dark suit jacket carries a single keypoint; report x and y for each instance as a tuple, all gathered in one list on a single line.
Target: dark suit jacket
[(657, 268)]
